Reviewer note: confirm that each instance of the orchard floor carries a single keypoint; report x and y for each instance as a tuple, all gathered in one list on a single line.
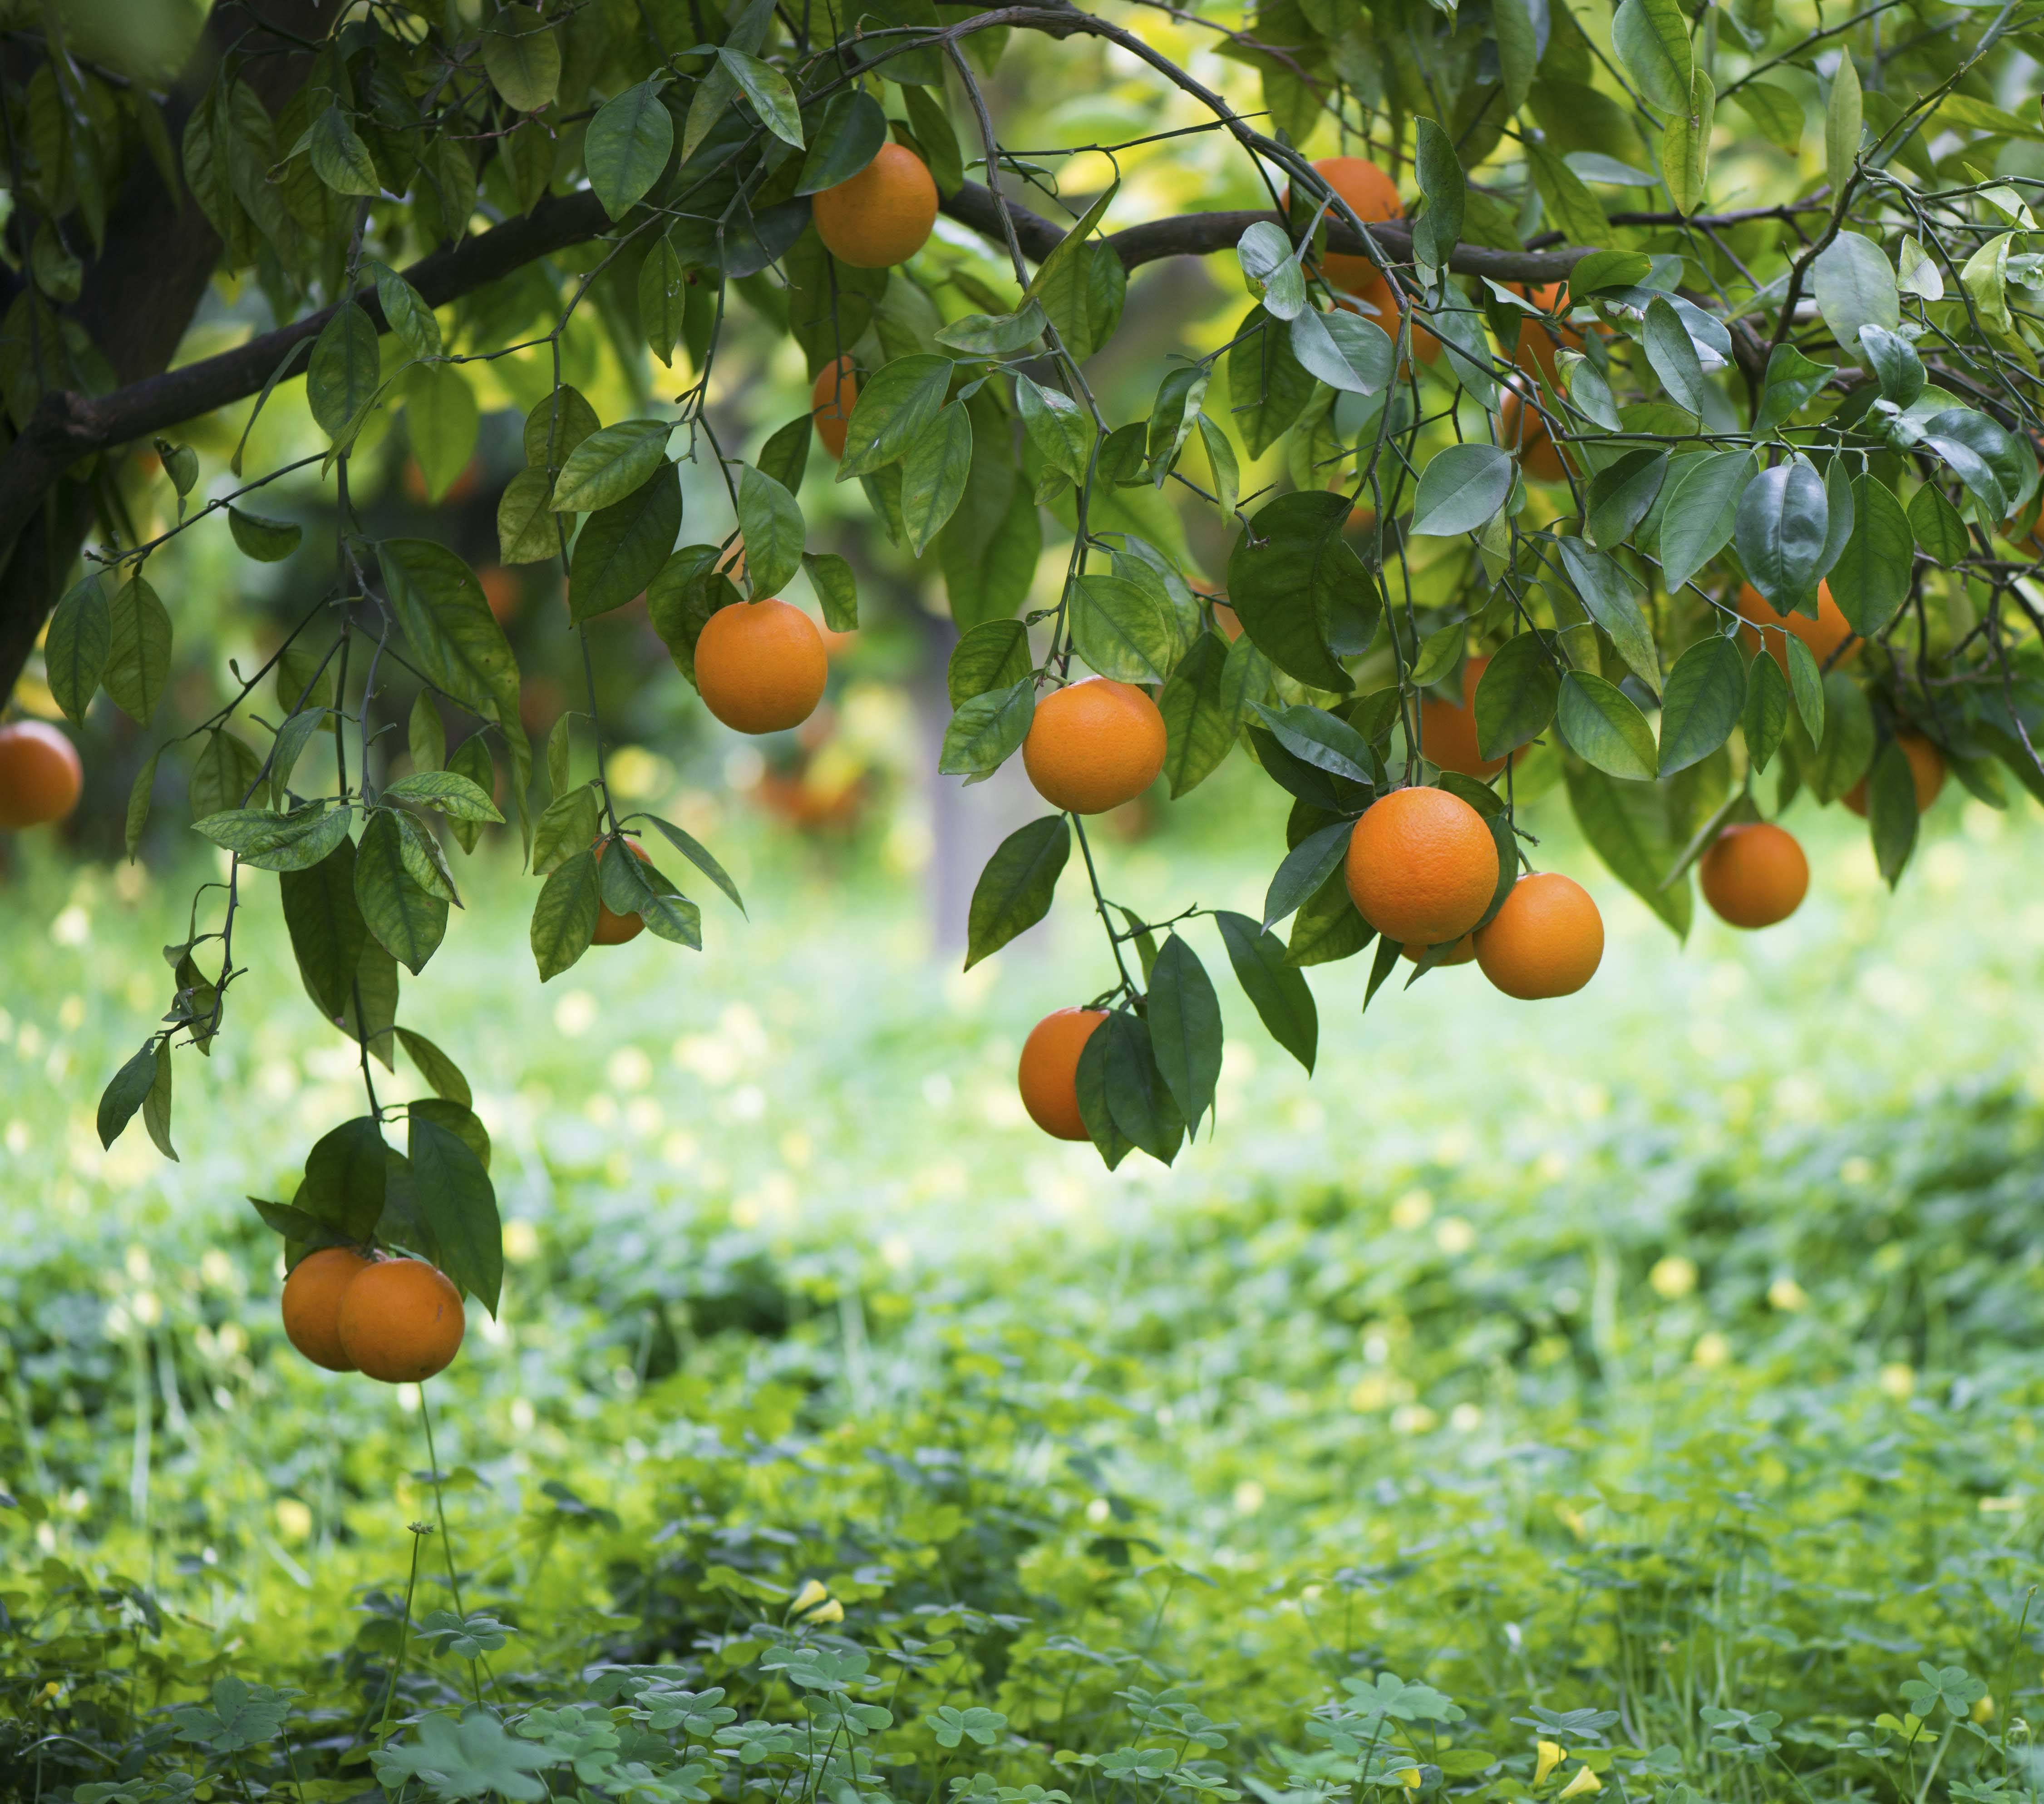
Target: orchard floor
[(1673, 1348)]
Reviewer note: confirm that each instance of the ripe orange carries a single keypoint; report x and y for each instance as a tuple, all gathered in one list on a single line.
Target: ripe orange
[(502, 589), (400, 1320), (1539, 340), (831, 400), (40, 776), (760, 665), (1465, 951), (881, 216), (1048, 1075), (311, 1304), (1823, 636), (1926, 765), (1093, 745), (612, 928), (1447, 729), (1521, 429), (1754, 874), (1372, 195), (1547, 941), (1422, 867)]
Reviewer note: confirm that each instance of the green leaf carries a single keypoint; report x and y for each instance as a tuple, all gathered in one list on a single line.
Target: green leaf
[(1808, 685), (1686, 145), (125, 1093), (1066, 254), (521, 54), (994, 655), (436, 1068), (1517, 698), (627, 146), (342, 378), (474, 1758), (75, 646), (326, 928), (1056, 425), (1277, 991), (1776, 113), (635, 885), (277, 842), (1267, 385), (987, 730), (425, 735), (698, 855), (1607, 593), (452, 1194), (1439, 227), (452, 794), (1870, 581), (1672, 354), (767, 89), (1853, 285), (1626, 826), (1891, 811), (138, 657), (663, 298), (1575, 211), (347, 1179), (339, 156), (564, 918), (223, 776), (1460, 490), (891, 411), (1220, 456), (140, 795), (1121, 629), (1622, 494), (1015, 891), (1791, 383), (853, 129), (1306, 868), (1185, 1028), (1200, 721), (441, 420), (1327, 928), (1603, 726), (1300, 589), (1895, 363), (527, 530), (1780, 530), (1841, 134), (609, 464), (1938, 525), (1706, 691), (1652, 39), (1765, 718), (156, 1104), (623, 546), (785, 454), (1344, 350), (405, 311), (836, 590), (1139, 1099), (566, 826), (265, 540), (556, 426), (933, 475), (1846, 746), (1270, 269), (1519, 47), (408, 922)]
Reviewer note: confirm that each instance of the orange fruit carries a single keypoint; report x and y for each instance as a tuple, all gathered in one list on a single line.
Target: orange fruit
[(1447, 729), (1371, 195), (400, 1320), (311, 1304), (1048, 1074), (40, 776), (501, 589), (1465, 951), (1754, 874), (831, 400), (760, 665), (1547, 941), (1823, 636), (1530, 440), (612, 928), (881, 216), (1422, 867), (1926, 765), (1537, 339), (1093, 745)]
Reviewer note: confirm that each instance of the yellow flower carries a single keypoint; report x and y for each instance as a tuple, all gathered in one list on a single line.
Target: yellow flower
[(1984, 1709), (1551, 1754), (1410, 1778), (830, 1610), (1585, 1781), (808, 1597)]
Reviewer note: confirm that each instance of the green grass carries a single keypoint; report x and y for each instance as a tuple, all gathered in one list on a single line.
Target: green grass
[(1674, 1348)]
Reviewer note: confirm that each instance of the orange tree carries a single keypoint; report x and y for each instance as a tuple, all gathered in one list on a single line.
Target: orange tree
[(1586, 478)]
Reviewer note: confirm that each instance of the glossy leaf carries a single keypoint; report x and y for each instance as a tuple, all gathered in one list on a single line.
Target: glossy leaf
[(1702, 703), (1015, 891)]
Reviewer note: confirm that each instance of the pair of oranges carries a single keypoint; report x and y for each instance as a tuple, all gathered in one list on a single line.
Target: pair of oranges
[(398, 1320)]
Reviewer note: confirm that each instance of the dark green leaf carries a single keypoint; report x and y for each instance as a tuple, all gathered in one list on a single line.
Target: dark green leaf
[(933, 475), (1306, 867), (1870, 581), (627, 146), (124, 1095), (848, 137), (1784, 519), (1299, 589), (326, 928), (346, 1175), (564, 918), (1891, 811), (1765, 716), (1847, 748), (891, 411), (452, 1193), (1706, 691), (1015, 890), (408, 921), (437, 1068), (1279, 993), (265, 540), (75, 646), (1200, 721), (1603, 726), (138, 654), (698, 855), (1516, 699), (1185, 1028), (994, 655), (1622, 492)]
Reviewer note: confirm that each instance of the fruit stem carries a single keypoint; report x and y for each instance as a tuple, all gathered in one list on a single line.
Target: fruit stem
[(404, 1637), (439, 1505), (1099, 903)]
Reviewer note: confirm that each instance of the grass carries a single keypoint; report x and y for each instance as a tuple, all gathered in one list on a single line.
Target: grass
[(1668, 1351)]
